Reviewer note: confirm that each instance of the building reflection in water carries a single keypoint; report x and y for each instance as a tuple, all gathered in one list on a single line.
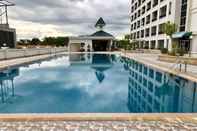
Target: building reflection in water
[(151, 90), (7, 84), (99, 62)]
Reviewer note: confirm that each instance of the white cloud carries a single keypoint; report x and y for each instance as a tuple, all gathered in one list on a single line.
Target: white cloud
[(39, 18)]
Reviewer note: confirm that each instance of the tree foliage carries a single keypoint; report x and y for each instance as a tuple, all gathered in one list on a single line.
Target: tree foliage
[(35, 41), (170, 28), (47, 41), (125, 43)]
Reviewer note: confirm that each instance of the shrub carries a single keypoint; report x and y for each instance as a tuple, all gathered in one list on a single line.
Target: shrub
[(164, 50), (180, 51), (172, 53)]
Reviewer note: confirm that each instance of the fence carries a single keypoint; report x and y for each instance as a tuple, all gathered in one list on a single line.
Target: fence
[(17, 53)]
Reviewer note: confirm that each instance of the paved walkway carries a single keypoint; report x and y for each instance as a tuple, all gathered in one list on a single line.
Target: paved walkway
[(152, 60), (97, 126), (18, 61)]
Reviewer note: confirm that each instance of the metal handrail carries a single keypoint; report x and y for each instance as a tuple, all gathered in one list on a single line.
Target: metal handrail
[(179, 63)]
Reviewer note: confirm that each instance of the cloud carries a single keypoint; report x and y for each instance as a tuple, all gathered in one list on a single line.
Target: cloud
[(68, 17)]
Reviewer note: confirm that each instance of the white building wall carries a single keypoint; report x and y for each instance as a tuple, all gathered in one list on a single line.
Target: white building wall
[(193, 25), (77, 41), (174, 17)]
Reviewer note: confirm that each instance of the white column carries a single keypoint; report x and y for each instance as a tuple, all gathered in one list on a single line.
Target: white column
[(194, 46), (156, 44)]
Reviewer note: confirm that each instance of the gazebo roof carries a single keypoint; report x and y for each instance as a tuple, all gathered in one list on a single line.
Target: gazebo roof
[(102, 34), (100, 23)]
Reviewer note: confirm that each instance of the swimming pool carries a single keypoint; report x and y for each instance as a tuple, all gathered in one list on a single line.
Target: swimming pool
[(93, 83)]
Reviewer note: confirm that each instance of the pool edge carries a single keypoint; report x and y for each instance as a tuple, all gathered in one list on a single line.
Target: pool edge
[(168, 117)]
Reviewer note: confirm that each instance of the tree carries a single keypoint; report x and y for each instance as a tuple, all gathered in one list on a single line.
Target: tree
[(21, 42), (35, 41), (56, 41), (48, 41), (170, 28)]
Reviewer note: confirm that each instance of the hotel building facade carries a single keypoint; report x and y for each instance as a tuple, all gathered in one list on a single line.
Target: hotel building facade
[(148, 17)]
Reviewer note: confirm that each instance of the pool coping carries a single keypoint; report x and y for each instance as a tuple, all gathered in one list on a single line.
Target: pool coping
[(164, 117)]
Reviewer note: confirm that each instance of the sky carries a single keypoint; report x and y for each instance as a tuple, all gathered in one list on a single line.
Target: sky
[(41, 18)]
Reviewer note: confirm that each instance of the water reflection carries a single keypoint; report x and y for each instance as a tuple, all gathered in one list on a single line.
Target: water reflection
[(99, 62), (7, 84), (151, 90), (108, 83)]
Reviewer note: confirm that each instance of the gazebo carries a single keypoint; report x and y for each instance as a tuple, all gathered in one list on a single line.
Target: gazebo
[(98, 41)]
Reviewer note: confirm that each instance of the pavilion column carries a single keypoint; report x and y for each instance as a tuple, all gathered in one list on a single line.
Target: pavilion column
[(110, 45)]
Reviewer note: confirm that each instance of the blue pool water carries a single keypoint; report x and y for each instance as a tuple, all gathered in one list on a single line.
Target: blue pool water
[(93, 83)]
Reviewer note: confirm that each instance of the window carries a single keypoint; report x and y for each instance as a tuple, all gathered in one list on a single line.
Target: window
[(138, 34), (138, 23), (163, 11), (143, 9), (153, 44), (135, 6), (154, 30), (161, 29), (134, 26), (135, 16), (139, 2), (146, 45), (154, 16), (143, 22), (132, 9), (139, 13), (134, 35), (183, 15), (142, 33), (170, 8), (155, 2), (148, 19), (160, 44), (148, 6), (147, 32)]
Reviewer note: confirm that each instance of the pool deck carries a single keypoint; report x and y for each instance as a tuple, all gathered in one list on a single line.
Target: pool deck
[(5, 64), (106, 121), (151, 60), (99, 122)]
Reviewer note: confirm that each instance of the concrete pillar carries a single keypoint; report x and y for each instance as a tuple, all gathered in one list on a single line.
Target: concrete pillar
[(156, 44), (194, 46), (110, 46), (149, 45)]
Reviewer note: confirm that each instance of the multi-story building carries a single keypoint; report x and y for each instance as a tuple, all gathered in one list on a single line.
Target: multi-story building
[(149, 16)]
